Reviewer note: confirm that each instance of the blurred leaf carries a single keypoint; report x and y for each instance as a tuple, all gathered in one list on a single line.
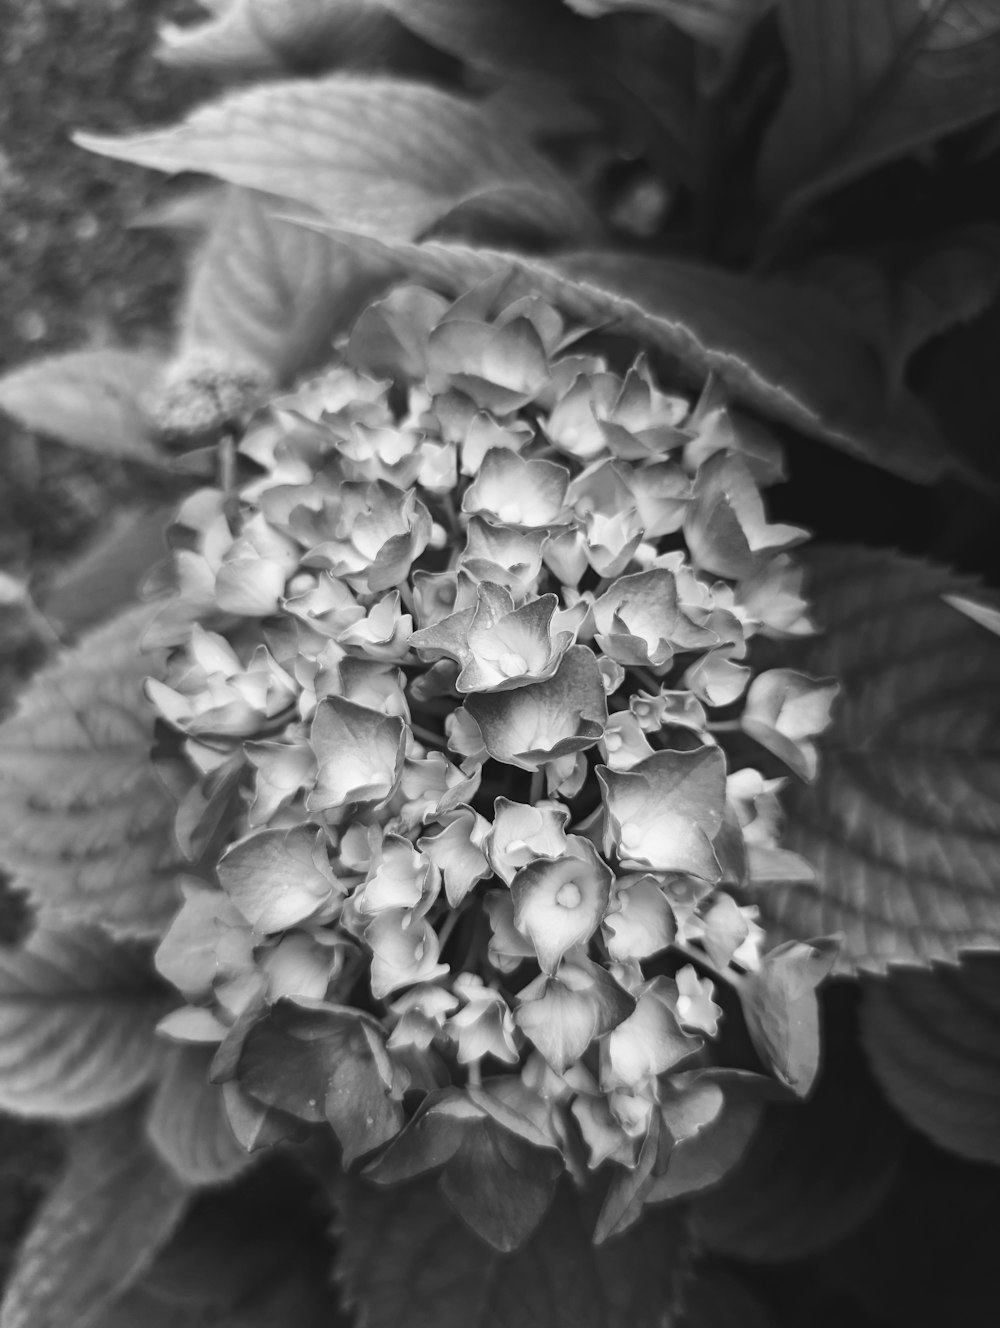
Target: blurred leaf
[(899, 310), (406, 1261), (269, 294), (85, 825), (188, 1124), (718, 22), (776, 348), (813, 1171), (90, 399), (933, 1039), (715, 1297), (106, 577), (781, 1010), (872, 80), (903, 823), (271, 36), (77, 1021), (100, 1226), (381, 155)]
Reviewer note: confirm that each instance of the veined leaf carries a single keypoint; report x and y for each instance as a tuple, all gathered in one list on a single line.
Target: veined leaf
[(950, 282), (267, 293), (903, 823), (91, 399), (871, 80), (380, 155), (188, 1124), (77, 1021), (97, 1230), (269, 36), (85, 825), (778, 349), (406, 1261), (933, 1040)]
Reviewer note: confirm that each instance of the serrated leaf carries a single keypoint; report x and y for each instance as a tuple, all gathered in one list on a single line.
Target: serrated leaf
[(271, 36), (382, 156), (901, 307), (813, 1170), (77, 1021), (933, 1040), (777, 348), (85, 825), (98, 1229), (91, 399), (406, 1261), (188, 1125), (903, 823), (872, 80), (267, 293)]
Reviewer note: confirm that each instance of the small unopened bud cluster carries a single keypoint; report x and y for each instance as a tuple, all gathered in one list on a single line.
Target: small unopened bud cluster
[(452, 665)]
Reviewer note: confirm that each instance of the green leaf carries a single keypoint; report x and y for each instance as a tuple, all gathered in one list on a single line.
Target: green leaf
[(901, 306), (268, 294), (77, 1021), (933, 1039), (85, 825), (872, 80), (715, 1297), (271, 36), (188, 1124), (90, 399), (777, 348), (98, 1229), (380, 155), (903, 823), (813, 1170), (406, 1261)]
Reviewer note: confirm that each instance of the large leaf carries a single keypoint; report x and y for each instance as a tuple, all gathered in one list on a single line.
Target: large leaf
[(85, 825), (91, 399), (871, 80), (406, 1261), (900, 308), (380, 155), (271, 36), (778, 349), (96, 1232), (903, 823), (268, 294), (77, 1021), (934, 1044)]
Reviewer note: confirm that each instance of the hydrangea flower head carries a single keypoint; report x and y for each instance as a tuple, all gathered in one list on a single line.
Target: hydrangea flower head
[(446, 668)]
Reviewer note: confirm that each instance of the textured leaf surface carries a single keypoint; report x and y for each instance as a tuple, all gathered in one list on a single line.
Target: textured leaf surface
[(777, 348), (813, 1171), (406, 1261), (85, 825), (269, 36), (379, 155), (91, 399), (188, 1124), (269, 294), (903, 823), (97, 1230), (898, 311), (933, 1039), (77, 1020), (871, 80)]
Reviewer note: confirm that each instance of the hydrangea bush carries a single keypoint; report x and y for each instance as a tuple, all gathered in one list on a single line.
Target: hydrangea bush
[(432, 866), (455, 654)]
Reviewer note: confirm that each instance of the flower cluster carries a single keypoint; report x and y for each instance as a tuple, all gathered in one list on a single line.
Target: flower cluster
[(456, 644)]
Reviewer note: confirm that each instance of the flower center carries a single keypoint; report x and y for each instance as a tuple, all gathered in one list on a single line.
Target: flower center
[(631, 835), (511, 665), (510, 511), (569, 895)]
